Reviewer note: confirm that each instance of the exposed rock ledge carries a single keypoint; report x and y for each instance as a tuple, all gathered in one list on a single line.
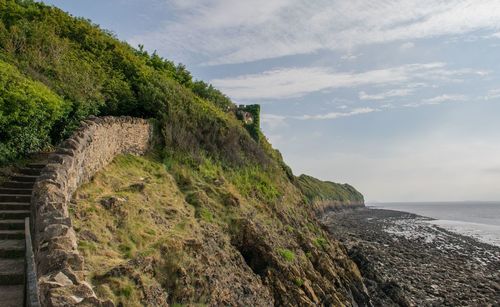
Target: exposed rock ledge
[(92, 147), (324, 206)]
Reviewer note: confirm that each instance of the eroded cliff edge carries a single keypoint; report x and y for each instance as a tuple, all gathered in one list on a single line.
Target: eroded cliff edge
[(325, 196)]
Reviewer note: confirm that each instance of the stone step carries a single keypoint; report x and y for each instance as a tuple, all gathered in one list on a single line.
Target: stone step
[(14, 214), (11, 224), (12, 296), (15, 198), (15, 191), (11, 249), (14, 206), (36, 165), (29, 171), (24, 178), (17, 185), (11, 272), (11, 235)]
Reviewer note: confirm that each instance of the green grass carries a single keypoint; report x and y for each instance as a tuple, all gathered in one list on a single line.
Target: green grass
[(299, 282), (286, 254), (317, 190), (320, 242)]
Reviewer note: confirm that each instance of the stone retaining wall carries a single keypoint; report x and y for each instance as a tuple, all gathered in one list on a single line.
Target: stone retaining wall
[(92, 147)]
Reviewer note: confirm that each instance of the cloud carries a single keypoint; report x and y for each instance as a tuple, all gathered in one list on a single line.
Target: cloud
[(335, 115), (406, 46), (492, 170), (273, 121), (350, 57), (492, 94), (228, 31), (388, 94), (279, 120), (297, 82), (438, 100)]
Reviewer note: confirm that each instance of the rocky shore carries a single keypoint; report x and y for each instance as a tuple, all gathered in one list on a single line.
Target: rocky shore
[(407, 261)]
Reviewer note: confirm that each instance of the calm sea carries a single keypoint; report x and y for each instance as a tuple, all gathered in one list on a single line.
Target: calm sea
[(480, 220)]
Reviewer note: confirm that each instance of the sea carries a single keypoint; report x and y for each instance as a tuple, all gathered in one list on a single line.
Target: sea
[(480, 220)]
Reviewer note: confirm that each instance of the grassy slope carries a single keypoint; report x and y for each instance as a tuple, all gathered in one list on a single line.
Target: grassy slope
[(316, 190), (190, 224)]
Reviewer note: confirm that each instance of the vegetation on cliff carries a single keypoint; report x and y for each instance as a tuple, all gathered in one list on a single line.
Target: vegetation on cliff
[(212, 216), (316, 190)]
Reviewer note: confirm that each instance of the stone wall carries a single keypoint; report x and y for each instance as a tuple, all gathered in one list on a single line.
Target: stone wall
[(92, 147)]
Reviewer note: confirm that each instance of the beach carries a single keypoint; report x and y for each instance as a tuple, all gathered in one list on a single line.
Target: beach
[(409, 260)]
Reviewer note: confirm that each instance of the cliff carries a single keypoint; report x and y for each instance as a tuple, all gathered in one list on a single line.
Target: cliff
[(211, 215), (325, 195)]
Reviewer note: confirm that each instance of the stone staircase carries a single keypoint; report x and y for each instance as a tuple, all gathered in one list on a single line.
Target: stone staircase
[(15, 197)]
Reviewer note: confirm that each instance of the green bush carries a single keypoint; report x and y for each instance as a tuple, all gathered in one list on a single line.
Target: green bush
[(96, 74), (28, 111)]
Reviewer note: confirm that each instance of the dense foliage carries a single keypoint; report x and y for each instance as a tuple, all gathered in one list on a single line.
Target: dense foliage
[(28, 111), (93, 73), (317, 190)]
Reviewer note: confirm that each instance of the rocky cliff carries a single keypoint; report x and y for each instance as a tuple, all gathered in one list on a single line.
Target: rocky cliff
[(324, 196)]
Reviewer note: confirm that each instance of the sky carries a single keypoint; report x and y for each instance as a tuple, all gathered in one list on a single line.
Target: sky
[(400, 98)]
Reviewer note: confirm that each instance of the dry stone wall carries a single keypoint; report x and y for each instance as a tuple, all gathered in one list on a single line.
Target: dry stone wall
[(92, 147)]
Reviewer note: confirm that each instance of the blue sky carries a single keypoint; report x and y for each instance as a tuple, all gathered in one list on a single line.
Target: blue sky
[(400, 98)]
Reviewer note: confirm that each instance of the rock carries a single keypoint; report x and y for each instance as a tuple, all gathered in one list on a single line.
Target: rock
[(88, 235), (137, 187), (231, 201), (110, 203), (62, 279), (310, 292)]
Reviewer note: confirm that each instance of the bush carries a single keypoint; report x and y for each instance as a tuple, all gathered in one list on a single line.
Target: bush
[(28, 112), (96, 74)]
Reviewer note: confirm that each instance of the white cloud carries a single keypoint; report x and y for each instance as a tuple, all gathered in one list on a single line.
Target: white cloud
[(273, 121), (296, 82), (406, 46), (388, 94), (350, 57), (438, 100), (335, 115), (227, 31), (492, 94), (493, 35)]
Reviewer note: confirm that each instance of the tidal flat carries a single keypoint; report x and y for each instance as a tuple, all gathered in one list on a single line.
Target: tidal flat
[(406, 260)]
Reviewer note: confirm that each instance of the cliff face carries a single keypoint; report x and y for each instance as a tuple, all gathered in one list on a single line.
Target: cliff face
[(152, 236), (324, 196)]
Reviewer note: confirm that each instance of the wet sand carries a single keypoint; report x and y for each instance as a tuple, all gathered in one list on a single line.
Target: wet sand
[(408, 261)]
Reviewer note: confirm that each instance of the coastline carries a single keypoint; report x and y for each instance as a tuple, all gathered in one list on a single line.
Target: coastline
[(406, 260)]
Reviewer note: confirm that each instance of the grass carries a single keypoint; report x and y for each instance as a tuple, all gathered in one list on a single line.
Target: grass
[(320, 242), (180, 197), (317, 190), (286, 254), (138, 225), (299, 282)]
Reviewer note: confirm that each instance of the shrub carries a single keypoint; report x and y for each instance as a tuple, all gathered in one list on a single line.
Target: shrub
[(28, 112)]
